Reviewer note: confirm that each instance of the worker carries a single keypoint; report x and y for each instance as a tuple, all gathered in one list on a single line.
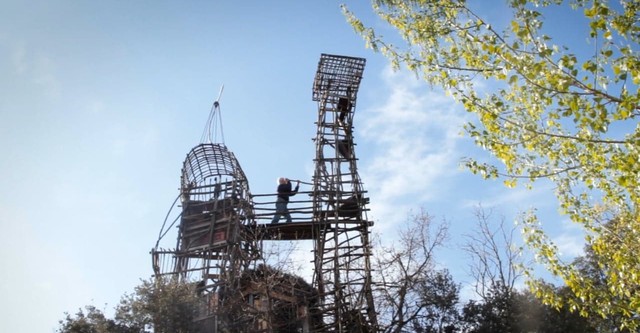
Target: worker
[(284, 192)]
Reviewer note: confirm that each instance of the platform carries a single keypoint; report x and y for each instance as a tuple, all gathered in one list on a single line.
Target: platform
[(288, 231), (301, 230)]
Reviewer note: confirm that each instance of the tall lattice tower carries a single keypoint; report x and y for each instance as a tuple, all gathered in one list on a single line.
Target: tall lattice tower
[(342, 251)]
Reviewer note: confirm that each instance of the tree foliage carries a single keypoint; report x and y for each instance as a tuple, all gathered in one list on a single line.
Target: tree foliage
[(164, 304), (440, 295), (544, 111), (159, 305), (513, 311), (93, 320), (596, 276)]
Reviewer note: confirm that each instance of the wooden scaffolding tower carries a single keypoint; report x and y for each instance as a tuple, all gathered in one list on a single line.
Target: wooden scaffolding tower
[(342, 250), (220, 235), (216, 241)]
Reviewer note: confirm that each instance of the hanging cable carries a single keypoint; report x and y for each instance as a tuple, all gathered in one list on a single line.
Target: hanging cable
[(206, 134), (210, 133)]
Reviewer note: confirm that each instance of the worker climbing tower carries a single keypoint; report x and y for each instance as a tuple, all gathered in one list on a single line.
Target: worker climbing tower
[(215, 241), (342, 251)]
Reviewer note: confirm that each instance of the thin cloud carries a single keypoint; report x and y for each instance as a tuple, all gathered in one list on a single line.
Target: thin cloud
[(519, 198), (43, 75), (570, 241), (38, 68), (19, 59), (412, 138)]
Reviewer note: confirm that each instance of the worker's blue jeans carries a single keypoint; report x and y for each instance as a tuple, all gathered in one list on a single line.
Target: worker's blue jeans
[(281, 210)]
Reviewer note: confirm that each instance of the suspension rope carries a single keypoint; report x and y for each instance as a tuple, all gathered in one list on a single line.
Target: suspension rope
[(214, 122), (162, 234)]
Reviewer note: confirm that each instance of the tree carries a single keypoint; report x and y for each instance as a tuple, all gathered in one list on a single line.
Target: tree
[(596, 276), (164, 304), (550, 113), (533, 315), (440, 295), (521, 311), (159, 305), (402, 272), (495, 267), (93, 321), (493, 313), (495, 259)]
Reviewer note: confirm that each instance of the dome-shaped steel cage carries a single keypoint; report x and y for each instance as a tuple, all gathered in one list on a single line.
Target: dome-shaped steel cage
[(214, 190), (211, 173), (215, 239)]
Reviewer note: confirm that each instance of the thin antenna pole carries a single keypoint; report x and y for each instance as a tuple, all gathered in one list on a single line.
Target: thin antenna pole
[(217, 102)]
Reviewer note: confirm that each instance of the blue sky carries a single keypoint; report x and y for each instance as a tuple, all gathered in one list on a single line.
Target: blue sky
[(102, 100)]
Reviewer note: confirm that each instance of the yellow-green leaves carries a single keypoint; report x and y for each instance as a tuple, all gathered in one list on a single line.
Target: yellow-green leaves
[(544, 111)]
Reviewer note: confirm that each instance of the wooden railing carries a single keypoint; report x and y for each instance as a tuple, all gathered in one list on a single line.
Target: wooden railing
[(300, 207)]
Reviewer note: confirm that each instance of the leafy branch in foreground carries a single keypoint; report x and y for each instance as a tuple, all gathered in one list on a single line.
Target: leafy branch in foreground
[(543, 110)]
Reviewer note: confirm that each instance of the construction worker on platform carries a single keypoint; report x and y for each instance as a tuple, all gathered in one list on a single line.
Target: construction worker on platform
[(284, 192)]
